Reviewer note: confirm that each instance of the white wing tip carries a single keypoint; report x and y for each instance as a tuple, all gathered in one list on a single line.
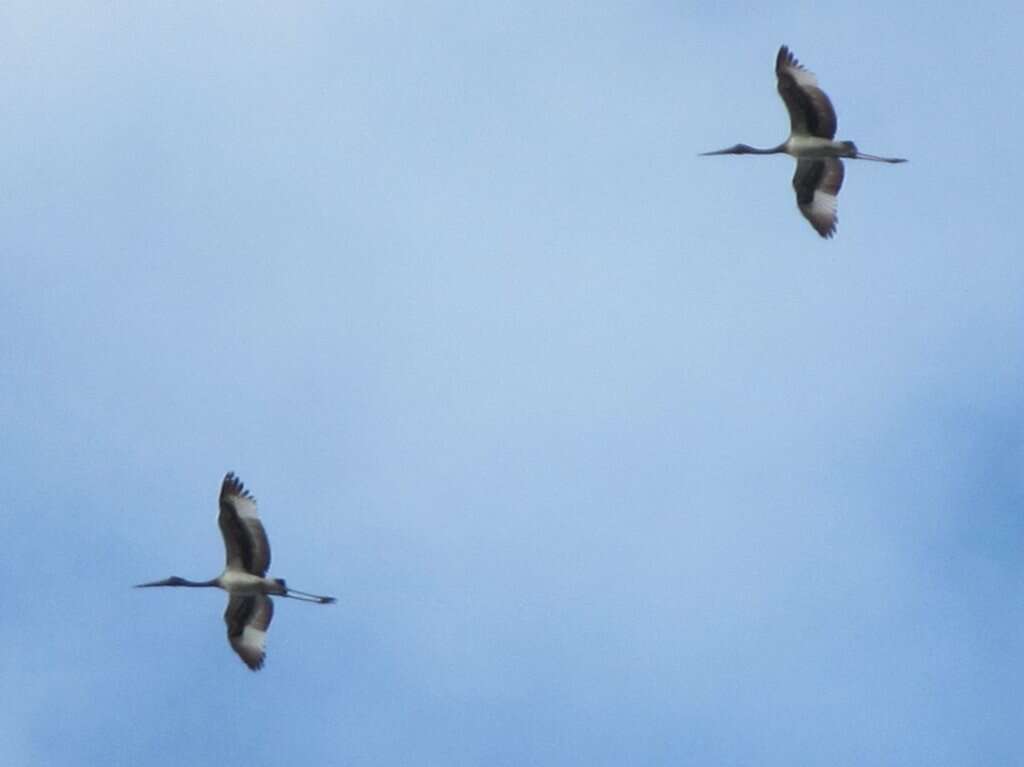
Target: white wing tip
[(823, 212), (252, 647)]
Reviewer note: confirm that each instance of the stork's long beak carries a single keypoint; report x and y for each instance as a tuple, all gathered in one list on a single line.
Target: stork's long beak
[(717, 151), (154, 583)]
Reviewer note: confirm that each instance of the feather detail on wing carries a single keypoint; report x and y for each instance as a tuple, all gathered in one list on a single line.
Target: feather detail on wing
[(248, 619), (817, 184), (810, 110), (245, 540)]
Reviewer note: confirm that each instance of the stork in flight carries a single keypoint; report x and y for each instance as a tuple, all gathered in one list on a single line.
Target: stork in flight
[(819, 169), (244, 578)]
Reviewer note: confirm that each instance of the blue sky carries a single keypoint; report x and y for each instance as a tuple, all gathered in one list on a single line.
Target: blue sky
[(607, 456)]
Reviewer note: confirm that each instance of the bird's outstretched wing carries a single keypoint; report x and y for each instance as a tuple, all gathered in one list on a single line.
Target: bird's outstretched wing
[(245, 540), (248, 619), (810, 111), (817, 184)]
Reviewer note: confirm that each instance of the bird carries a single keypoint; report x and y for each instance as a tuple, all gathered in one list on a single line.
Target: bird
[(250, 609), (819, 167)]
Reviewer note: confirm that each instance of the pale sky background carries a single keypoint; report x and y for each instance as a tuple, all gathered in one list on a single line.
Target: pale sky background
[(608, 458)]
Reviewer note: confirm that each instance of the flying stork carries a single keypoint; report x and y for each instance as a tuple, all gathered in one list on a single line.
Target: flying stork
[(244, 578), (819, 169)]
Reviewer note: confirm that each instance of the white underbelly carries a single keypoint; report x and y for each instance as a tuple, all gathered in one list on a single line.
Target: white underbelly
[(812, 146), (238, 582)]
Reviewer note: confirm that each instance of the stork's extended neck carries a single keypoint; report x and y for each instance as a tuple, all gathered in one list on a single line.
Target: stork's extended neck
[(744, 149), (174, 580)]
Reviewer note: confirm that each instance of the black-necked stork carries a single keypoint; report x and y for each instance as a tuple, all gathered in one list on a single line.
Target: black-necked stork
[(249, 609), (819, 169)]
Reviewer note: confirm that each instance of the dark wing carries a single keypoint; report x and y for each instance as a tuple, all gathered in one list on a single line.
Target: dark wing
[(245, 541), (817, 184), (248, 619), (810, 111)]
